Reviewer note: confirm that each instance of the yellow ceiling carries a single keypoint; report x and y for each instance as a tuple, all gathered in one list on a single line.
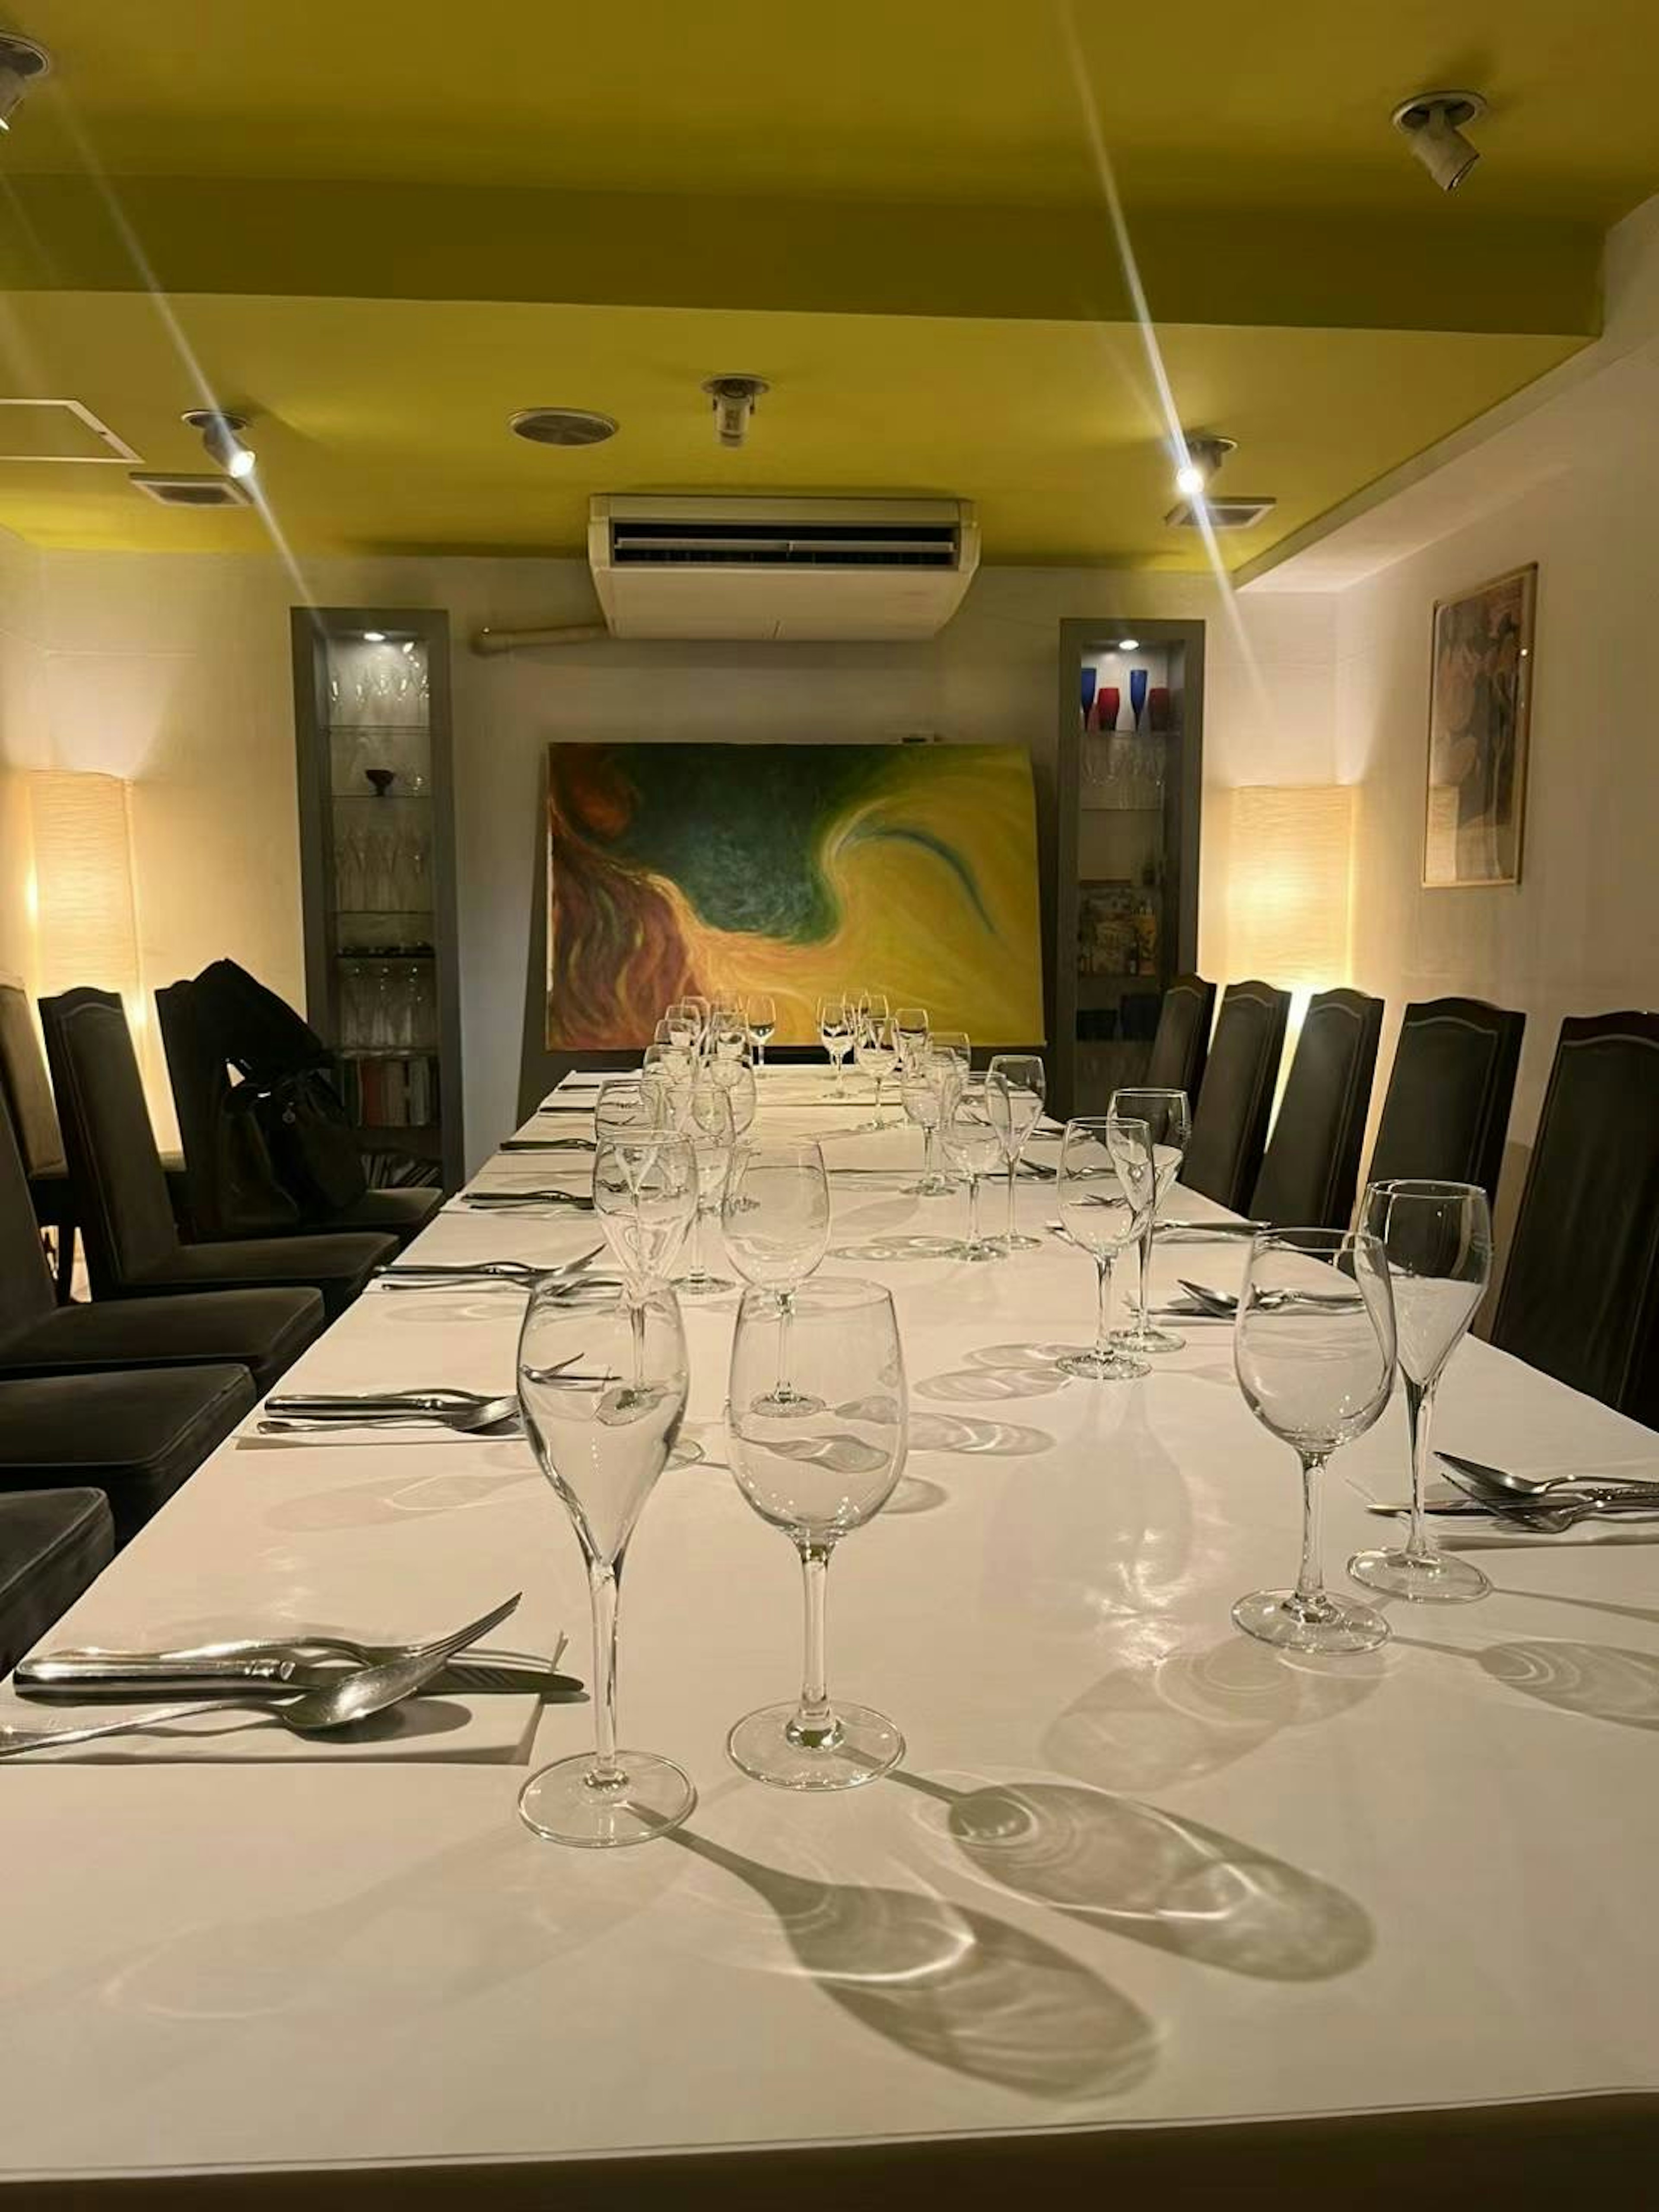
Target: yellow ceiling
[(383, 224)]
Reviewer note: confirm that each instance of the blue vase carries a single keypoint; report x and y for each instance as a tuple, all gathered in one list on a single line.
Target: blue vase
[(1090, 677), (1137, 695)]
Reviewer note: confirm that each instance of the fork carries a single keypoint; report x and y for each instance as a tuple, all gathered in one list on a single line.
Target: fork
[(492, 1416)]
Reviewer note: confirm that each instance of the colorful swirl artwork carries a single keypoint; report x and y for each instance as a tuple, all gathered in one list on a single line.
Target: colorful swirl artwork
[(726, 869)]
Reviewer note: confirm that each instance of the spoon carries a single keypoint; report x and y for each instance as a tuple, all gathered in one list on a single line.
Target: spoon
[(350, 1697), (1477, 1479)]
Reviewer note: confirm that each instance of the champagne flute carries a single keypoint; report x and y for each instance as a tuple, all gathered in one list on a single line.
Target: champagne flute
[(1436, 1238), (1015, 1086), (775, 1218), (1167, 1114), (1314, 1350), (712, 1136), (815, 1472), (922, 1084), (835, 1031), (909, 1032), (1105, 1189), (761, 1011), (602, 1379), (644, 1195), (973, 1145)]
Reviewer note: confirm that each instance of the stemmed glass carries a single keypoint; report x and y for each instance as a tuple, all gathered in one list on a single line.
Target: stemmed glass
[(713, 1136), (823, 1467), (874, 1052), (923, 1083), (1438, 1240), (1105, 1190), (760, 1011), (644, 1195), (1166, 1115), (737, 1079), (1015, 1086), (909, 1033), (1314, 1349), (704, 1013), (685, 1022), (603, 1379), (973, 1145), (869, 1008), (776, 1218), (728, 1030), (953, 1044), (836, 1032)]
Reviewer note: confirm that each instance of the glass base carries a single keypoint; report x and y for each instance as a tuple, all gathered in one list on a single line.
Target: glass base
[(987, 1247), (784, 1400), (703, 1286), (930, 1186), (1434, 1580), (651, 1796), (1097, 1366), (860, 1747), (1018, 1244), (1151, 1339), (1322, 1623)]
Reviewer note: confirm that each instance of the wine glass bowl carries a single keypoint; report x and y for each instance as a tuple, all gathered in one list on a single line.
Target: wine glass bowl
[(645, 1194)]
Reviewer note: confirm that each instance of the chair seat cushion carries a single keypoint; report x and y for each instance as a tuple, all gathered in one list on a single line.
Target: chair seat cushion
[(137, 1437), (53, 1545), (338, 1266), (263, 1330), (403, 1212)]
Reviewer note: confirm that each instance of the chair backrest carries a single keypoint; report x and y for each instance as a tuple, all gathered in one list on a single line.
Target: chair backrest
[(1182, 1043), (1308, 1177), (25, 1084), (26, 1292), (1581, 1294), (1446, 1111), (1233, 1108), (126, 1217), (229, 1184)]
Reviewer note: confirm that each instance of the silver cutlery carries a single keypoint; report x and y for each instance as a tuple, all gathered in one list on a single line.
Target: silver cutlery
[(299, 1662), (1551, 1517), (1477, 1480), (1224, 1305), (1191, 1229), (521, 1274), (492, 1417), (546, 1144), (349, 1697), (535, 1202)]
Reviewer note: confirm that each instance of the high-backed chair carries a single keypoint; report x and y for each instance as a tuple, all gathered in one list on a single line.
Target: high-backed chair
[(1236, 1103), (1447, 1110), (262, 1330), (1308, 1177), (132, 1242), (230, 1189), (1580, 1297), (53, 1545), (1182, 1043)]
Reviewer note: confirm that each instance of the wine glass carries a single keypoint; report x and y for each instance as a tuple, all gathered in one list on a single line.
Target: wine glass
[(954, 1043), (760, 1011), (1437, 1237), (1167, 1114), (736, 1078), (728, 1030), (712, 1134), (667, 1075), (603, 1379), (776, 1218), (815, 1472), (874, 1054), (1105, 1190), (625, 1106), (973, 1145), (909, 1032), (1015, 1086), (685, 1025), (869, 1008), (1314, 1350), (836, 1031), (703, 1010), (922, 1089), (644, 1195)]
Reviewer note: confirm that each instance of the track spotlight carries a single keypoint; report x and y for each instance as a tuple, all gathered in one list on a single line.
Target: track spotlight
[(1433, 123), (733, 398), (1203, 456), (22, 64), (222, 435)]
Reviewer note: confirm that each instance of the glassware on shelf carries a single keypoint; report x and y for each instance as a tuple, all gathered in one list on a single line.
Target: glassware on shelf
[(350, 871)]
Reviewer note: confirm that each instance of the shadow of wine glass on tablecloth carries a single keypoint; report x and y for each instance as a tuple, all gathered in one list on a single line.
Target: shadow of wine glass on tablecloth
[(1153, 1877), (1598, 1681), (952, 1985)]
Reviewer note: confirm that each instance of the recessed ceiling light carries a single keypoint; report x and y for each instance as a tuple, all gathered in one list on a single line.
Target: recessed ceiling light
[(1203, 457), (221, 435), (561, 426), (1433, 123), (1128, 645), (22, 64), (373, 637)]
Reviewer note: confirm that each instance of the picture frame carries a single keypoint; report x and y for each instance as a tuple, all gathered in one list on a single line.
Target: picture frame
[(1480, 680)]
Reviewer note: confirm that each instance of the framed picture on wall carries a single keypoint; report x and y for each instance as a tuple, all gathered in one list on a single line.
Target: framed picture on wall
[(1479, 709)]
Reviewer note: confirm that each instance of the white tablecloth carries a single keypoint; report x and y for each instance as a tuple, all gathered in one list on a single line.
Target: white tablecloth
[(1231, 1887)]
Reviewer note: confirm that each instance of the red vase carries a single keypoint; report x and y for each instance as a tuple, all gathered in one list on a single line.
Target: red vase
[(1158, 708), (1106, 706)]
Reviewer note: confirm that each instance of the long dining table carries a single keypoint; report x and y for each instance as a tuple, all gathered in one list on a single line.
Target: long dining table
[(1145, 1904)]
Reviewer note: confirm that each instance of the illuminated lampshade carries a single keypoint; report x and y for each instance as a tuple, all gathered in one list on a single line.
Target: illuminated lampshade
[(1288, 884), (85, 923)]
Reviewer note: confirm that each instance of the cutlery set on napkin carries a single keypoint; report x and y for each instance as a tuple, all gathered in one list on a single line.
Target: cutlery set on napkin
[(1540, 1505)]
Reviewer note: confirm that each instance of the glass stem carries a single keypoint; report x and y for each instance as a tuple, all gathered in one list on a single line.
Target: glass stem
[(928, 1173), (604, 1585), (760, 1055), (785, 1314), (1310, 1575), (973, 1211), (696, 1273), (815, 1721), (1104, 1327), (1144, 1319), (1419, 1412), (1014, 1171), (636, 1325)]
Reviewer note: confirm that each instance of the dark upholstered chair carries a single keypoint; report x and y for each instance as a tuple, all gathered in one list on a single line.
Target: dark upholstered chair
[(1308, 1177), (262, 1330), (132, 1245), (1234, 1106), (1446, 1111), (227, 1179), (1580, 1297), (136, 1437), (54, 1544), (1182, 1043)]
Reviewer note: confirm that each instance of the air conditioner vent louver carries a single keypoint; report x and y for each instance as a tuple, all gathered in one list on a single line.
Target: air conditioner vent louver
[(757, 544), (189, 491), (1235, 514)]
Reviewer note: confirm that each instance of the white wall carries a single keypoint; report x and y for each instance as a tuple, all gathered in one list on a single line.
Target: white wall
[(173, 671)]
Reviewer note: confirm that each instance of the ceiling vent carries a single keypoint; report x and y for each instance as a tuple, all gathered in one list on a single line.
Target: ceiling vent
[(189, 491), (780, 568), (60, 430), (561, 426), (1224, 514)]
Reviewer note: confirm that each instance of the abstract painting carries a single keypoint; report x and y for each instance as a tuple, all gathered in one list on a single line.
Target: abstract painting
[(1480, 705), (719, 870)]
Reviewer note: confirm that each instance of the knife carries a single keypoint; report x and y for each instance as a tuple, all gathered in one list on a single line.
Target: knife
[(1632, 1509), (227, 1672)]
